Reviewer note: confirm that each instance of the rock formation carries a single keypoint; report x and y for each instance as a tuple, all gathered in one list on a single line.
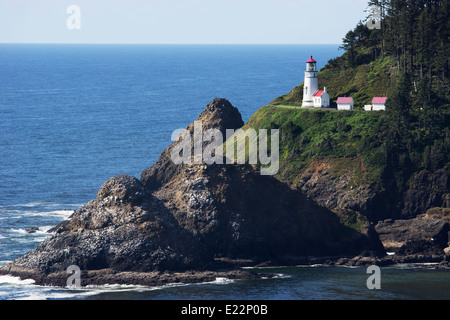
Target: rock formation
[(426, 234), (192, 222), (189, 217)]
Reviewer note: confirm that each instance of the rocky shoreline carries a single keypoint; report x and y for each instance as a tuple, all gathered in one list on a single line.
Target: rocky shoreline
[(114, 277), (194, 223), (162, 278)]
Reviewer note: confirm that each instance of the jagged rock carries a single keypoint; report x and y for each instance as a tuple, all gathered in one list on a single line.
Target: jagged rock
[(240, 214), (119, 236), (122, 188), (32, 230), (152, 278), (123, 229), (219, 114), (425, 234), (333, 187)]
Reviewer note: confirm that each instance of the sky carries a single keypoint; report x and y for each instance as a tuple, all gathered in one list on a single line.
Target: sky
[(179, 21)]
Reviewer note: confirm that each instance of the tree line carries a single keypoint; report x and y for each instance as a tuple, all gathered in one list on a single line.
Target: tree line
[(414, 132), (416, 33)]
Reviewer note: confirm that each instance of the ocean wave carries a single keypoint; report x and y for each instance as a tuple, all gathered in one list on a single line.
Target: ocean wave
[(282, 276), (3, 262), (41, 231), (33, 292), (349, 267), (46, 204), (14, 288), (108, 288), (66, 213), (111, 288), (7, 279), (30, 204), (221, 280), (417, 265), (20, 231), (53, 294)]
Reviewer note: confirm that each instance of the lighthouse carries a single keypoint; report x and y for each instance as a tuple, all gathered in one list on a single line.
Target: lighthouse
[(311, 84)]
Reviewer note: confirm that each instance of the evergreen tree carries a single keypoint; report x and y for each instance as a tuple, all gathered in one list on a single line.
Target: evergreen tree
[(416, 33), (399, 106)]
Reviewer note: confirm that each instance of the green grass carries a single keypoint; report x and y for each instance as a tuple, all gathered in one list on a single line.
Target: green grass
[(313, 134)]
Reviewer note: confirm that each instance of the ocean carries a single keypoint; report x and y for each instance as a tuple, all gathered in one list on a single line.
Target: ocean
[(72, 116)]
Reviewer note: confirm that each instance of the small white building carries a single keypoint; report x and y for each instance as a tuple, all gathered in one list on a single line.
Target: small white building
[(322, 99), (345, 103), (379, 103)]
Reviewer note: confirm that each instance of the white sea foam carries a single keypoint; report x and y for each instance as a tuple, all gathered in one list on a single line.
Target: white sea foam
[(111, 288), (281, 276), (106, 288), (348, 267), (45, 204), (14, 288), (65, 214), (20, 231), (52, 293), (40, 231), (7, 279), (3, 262), (268, 267), (414, 265), (24, 236), (34, 292), (30, 204), (222, 280)]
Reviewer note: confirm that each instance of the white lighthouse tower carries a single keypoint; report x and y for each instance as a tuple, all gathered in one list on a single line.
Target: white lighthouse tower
[(311, 84)]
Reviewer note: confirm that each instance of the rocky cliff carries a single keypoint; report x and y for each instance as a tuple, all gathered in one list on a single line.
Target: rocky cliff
[(347, 163), (177, 218)]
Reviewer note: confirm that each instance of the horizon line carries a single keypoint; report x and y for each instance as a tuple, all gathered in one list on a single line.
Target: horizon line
[(194, 44)]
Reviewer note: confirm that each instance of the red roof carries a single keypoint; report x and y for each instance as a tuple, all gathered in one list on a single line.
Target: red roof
[(345, 100), (318, 93), (381, 100), (311, 60)]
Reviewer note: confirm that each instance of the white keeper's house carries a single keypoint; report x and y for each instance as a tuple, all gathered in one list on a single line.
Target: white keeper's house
[(322, 99)]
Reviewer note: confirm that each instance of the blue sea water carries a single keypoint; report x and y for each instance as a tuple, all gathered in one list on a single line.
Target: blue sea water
[(72, 116)]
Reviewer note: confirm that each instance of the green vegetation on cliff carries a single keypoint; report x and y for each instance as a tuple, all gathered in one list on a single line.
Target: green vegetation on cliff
[(400, 155), (308, 135), (381, 143)]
